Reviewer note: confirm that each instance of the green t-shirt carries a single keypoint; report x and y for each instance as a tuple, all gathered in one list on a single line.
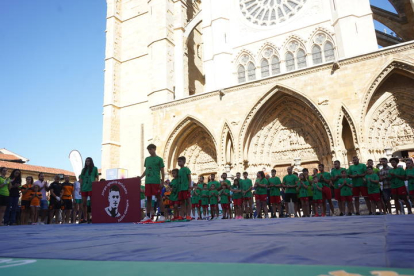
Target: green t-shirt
[(205, 197), (324, 176), (213, 197), (175, 188), (303, 192), (153, 166), (310, 189), (373, 188), (4, 191), (224, 199), (183, 178), (195, 198), (410, 172), (200, 186), (142, 194), (228, 183), (274, 191), (345, 190), (88, 178), (236, 195), (245, 185), (290, 180), (335, 173), (216, 184), (395, 181), (262, 190), (357, 169), (317, 195)]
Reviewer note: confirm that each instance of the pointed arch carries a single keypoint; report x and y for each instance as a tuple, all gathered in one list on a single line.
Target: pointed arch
[(344, 113), (279, 113), (396, 65), (227, 149), (193, 140), (346, 127)]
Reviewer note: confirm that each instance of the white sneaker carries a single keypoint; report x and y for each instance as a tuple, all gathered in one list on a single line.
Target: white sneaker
[(161, 219), (146, 219)]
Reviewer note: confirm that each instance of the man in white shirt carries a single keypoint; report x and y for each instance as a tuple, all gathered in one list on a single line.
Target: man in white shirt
[(44, 204)]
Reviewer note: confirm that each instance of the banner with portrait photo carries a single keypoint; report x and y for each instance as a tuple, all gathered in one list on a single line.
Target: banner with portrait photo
[(116, 201)]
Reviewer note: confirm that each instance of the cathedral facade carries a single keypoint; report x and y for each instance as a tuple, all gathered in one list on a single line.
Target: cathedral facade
[(242, 85)]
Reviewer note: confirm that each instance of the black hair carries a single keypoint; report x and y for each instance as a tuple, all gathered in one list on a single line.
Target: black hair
[(182, 158), (91, 166), (261, 173), (114, 188), (151, 146), (394, 159), (383, 158), (175, 170), (273, 170), (40, 174), (19, 178), (305, 170), (245, 173), (234, 182), (322, 165), (337, 161)]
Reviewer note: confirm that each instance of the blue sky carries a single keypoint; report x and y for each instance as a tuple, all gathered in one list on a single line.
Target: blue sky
[(52, 78)]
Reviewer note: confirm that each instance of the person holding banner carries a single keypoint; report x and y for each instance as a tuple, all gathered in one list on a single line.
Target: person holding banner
[(154, 179), (89, 174)]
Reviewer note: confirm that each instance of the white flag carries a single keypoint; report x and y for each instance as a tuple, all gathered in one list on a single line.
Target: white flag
[(76, 161)]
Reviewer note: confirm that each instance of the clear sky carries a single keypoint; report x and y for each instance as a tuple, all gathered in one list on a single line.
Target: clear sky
[(51, 80)]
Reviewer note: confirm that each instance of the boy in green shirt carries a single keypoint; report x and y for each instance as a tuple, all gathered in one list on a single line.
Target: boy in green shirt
[(398, 189), (195, 201), (409, 173), (175, 189), (224, 199), (345, 184), (325, 179), (317, 196), (290, 182), (184, 178), (205, 194), (275, 184), (154, 179), (247, 187), (303, 185), (217, 187), (357, 173), (372, 181), (237, 199), (335, 176), (214, 201)]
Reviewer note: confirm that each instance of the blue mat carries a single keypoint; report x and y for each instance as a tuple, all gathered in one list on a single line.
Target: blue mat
[(376, 241)]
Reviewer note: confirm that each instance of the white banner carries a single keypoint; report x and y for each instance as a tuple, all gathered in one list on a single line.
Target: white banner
[(77, 163)]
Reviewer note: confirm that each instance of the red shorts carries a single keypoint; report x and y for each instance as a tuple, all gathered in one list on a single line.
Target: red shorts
[(184, 195), (304, 198), (317, 201), (399, 191), (175, 203), (225, 206), (412, 193), (326, 193), (212, 206), (204, 206), (338, 195), (195, 205), (275, 199), (86, 194), (357, 191), (199, 202), (346, 198), (247, 198), (152, 190), (260, 197), (237, 202), (374, 197)]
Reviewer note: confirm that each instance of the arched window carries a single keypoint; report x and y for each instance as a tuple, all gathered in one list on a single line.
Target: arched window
[(251, 71), (275, 65), (329, 52), (290, 62), (316, 55), (301, 59), (265, 68), (241, 72)]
